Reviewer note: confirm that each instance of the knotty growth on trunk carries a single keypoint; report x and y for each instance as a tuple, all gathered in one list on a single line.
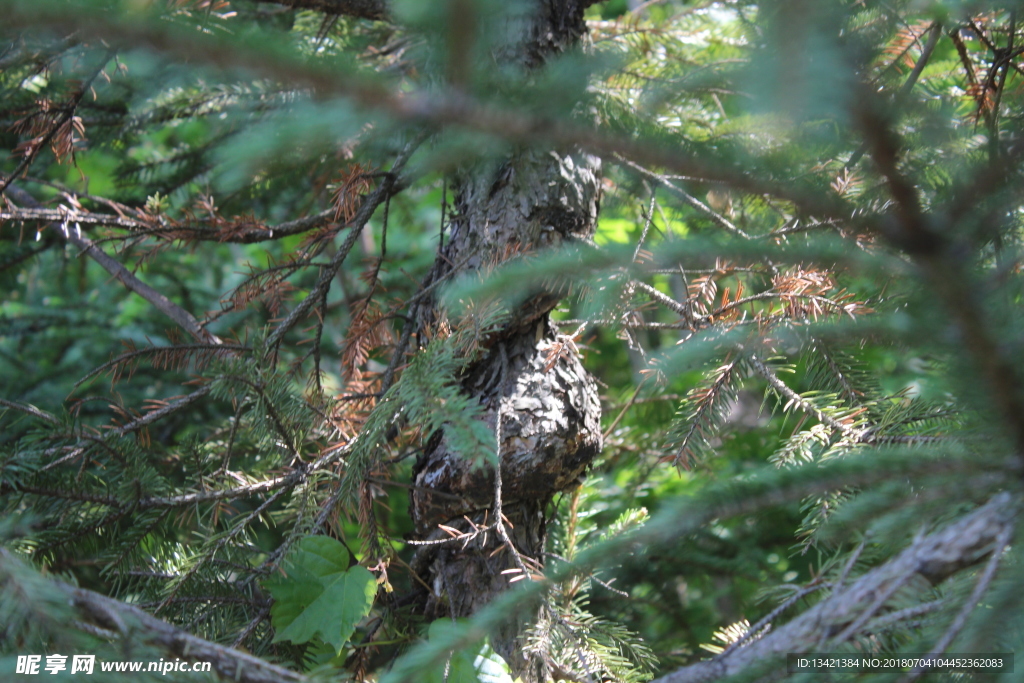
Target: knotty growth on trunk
[(550, 431)]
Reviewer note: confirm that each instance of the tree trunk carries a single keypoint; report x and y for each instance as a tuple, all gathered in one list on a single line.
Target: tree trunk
[(549, 407)]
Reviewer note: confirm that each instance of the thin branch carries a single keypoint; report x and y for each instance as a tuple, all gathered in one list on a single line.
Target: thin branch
[(152, 350), (65, 117), (767, 620), (179, 315), (240, 235), (717, 218), (913, 612), (62, 494), (207, 555), (154, 415), (499, 517), (148, 503), (882, 596), (251, 626), (934, 33), (784, 391), (366, 210), (622, 413), (139, 423), (30, 410)]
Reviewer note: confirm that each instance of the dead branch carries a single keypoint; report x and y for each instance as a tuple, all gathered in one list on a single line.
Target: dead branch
[(363, 216), (66, 116), (179, 315), (246, 234)]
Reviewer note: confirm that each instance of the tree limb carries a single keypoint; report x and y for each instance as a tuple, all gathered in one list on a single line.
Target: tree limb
[(248, 235), (179, 315), (424, 108), (361, 9), (131, 622), (934, 557)]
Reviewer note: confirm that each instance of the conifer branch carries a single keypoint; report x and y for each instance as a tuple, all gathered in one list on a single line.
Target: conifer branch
[(166, 356), (63, 120), (428, 109), (366, 209), (136, 424), (189, 230), (863, 436), (286, 481), (30, 410), (796, 399), (162, 412), (179, 315), (943, 266), (376, 10), (934, 557), (133, 625)]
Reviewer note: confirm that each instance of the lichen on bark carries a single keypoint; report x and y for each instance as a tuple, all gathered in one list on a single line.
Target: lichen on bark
[(530, 200), (548, 403)]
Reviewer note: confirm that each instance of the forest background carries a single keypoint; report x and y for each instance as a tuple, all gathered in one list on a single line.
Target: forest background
[(731, 289)]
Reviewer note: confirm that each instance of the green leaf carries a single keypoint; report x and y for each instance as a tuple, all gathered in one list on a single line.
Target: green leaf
[(291, 597), (322, 597), (322, 556)]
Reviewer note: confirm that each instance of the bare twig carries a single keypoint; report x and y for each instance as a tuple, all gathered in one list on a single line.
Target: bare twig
[(366, 210), (717, 218), (194, 231), (179, 315), (30, 410)]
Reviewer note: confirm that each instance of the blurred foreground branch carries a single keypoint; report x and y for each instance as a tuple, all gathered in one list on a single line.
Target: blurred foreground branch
[(934, 557), (124, 620)]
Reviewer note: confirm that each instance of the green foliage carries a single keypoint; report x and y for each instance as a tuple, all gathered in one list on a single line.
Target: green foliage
[(802, 306), (481, 665), (322, 596)]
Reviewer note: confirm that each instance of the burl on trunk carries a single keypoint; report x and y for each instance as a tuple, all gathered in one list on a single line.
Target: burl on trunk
[(550, 413)]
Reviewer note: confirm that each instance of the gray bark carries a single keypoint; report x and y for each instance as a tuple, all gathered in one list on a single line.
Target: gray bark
[(550, 412), (549, 406), (362, 9), (931, 559), (121, 620)]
